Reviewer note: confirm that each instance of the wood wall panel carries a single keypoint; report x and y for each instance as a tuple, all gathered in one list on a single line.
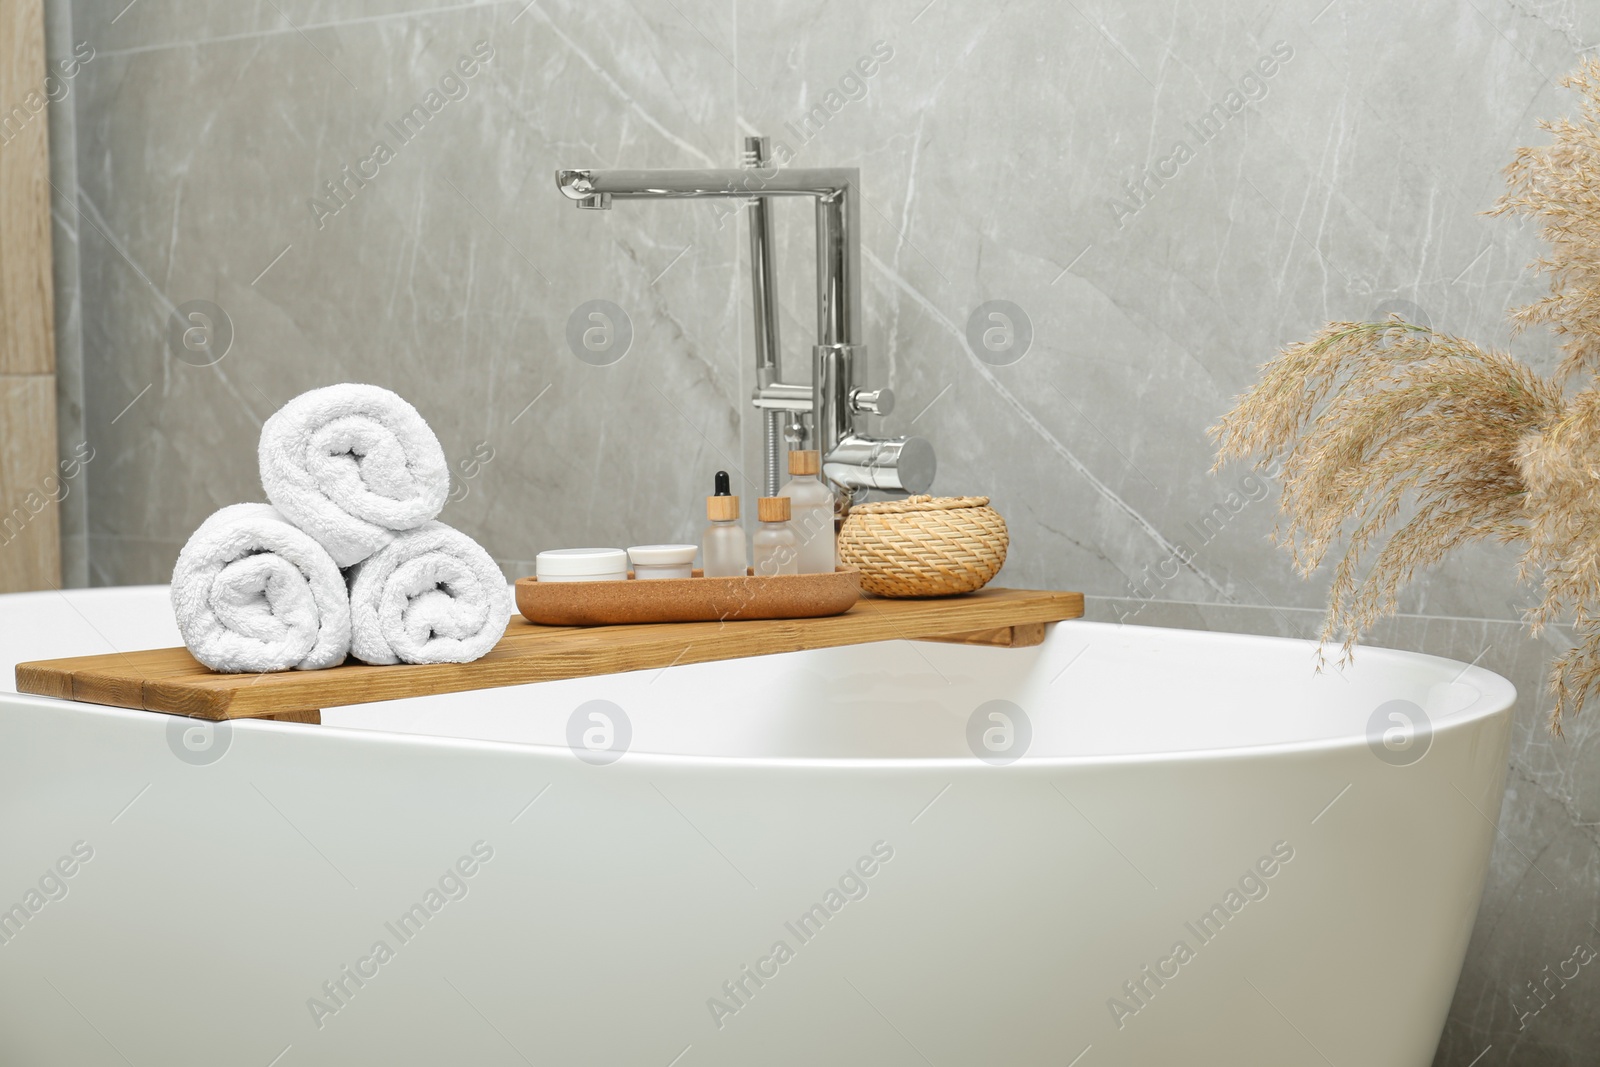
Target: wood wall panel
[(30, 529), (30, 553)]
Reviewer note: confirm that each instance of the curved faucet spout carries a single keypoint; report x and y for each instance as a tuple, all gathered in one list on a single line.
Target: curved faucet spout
[(576, 185), (824, 183), (837, 392)]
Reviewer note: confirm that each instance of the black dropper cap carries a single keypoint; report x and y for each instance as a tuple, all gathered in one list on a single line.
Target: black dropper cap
[(723, 506)]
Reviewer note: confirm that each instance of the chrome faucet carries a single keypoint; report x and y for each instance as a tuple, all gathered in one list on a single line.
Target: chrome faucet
[(853, 461)]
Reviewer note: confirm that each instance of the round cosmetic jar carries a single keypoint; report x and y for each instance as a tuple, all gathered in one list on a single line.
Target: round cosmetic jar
[(662, 561), (582, 565)]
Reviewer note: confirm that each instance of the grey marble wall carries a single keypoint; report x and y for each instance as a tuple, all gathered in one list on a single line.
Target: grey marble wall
[(1082, 160), (70, 433)]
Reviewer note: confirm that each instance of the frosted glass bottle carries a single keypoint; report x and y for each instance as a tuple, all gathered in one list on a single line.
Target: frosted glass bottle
[(777, 549), (724, 550), (811, 513)]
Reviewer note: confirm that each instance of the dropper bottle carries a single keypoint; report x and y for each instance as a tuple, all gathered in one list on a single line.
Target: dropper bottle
[(724, 551), (811, 504), (777, 549)]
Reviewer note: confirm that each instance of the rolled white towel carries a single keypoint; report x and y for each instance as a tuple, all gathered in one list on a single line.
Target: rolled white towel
[(352, 465), (254, 593), (432, 595)]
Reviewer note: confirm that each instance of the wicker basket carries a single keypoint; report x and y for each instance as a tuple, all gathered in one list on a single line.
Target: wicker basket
[(924, 546)]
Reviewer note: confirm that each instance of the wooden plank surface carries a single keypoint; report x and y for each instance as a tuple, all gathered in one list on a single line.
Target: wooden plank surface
[(30, 554), (169, 680)]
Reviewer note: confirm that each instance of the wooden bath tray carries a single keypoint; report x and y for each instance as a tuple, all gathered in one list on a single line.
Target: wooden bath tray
[(697, 599), (169, 680)]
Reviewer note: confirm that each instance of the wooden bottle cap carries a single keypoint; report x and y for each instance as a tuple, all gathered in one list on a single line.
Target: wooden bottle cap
[(773, 509), (722, 508), (805, 461)]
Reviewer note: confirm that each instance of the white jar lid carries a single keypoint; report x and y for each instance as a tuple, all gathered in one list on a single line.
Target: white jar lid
[(662, 555), (580, 561)]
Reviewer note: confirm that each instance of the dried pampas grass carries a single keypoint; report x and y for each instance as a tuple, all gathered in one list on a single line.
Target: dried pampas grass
[(1558, 185), (1405, 443)]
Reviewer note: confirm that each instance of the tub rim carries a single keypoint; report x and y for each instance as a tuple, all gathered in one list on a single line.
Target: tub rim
[(1498, 696), (1344, 744)]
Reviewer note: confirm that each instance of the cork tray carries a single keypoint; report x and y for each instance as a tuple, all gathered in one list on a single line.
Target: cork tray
[(169, 680), (696, 599)]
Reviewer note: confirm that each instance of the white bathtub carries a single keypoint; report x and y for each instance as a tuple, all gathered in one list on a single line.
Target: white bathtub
[(629, 912)]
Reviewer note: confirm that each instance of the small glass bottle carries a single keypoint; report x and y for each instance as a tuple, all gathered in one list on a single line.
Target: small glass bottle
[(724, 551), (811, 507), (777, 549)]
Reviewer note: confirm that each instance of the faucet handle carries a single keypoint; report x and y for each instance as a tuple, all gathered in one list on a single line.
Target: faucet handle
[(877, 402)]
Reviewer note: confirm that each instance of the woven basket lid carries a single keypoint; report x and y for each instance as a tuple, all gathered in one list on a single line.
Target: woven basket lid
[(923, 502)]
